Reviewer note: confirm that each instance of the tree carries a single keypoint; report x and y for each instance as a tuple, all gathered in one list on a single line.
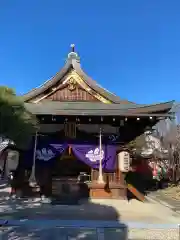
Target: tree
[(138, 144), (16, 123), (169, 130)]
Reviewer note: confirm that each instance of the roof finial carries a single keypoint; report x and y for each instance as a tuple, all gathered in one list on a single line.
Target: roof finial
[(72, 47), (73, 55)]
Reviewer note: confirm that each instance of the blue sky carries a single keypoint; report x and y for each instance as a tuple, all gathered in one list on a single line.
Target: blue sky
[(131, 47)]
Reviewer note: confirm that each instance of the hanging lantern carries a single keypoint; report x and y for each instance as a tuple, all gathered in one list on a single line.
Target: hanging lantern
[(124, 161), (12, 160)]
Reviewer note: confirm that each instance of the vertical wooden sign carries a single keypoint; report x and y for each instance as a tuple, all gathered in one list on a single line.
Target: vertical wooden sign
[(70, 129)]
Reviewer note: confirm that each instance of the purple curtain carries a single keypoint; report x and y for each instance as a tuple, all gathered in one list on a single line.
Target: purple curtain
[(47, 152), (90, 154)]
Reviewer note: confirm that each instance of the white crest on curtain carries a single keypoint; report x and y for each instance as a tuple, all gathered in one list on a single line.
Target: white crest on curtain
[(45, 154), (94, 155)]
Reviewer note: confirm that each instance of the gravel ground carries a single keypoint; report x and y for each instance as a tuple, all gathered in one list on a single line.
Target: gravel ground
[(171, 192), (111, 210), (29, 233), (169, 197)]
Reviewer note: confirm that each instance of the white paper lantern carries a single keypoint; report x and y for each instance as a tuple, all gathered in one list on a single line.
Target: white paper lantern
[(12, 160), (124, 161)]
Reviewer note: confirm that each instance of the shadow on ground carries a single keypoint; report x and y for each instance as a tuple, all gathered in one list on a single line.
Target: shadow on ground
[(28, 219)]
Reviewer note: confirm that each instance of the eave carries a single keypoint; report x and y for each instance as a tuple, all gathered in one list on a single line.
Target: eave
[(99, 109)]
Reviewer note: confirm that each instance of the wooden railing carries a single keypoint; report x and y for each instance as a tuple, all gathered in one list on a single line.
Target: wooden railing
[(108, 177)]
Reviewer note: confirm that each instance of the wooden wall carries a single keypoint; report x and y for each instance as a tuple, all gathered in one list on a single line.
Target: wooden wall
[(78, 94)]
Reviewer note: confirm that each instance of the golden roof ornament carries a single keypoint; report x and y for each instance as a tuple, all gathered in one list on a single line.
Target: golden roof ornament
[(72, 84)]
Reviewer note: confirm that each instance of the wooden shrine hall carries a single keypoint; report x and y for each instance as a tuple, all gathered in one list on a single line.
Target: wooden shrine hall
[(83, 131)]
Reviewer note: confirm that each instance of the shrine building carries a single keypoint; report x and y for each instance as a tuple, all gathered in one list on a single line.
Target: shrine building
[(83, 130)]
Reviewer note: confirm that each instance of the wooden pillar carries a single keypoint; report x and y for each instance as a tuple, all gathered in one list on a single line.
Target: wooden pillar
[(117, 170), (70, 150), (100, 177), (33, 177)]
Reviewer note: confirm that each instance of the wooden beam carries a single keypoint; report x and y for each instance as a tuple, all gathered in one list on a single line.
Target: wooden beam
[(136, 193)]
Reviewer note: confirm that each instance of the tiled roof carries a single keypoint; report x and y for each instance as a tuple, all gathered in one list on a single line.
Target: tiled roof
[(93, 109), (73, 63)]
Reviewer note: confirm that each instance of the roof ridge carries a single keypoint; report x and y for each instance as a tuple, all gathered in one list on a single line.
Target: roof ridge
[(73, 61), (40, 85)]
